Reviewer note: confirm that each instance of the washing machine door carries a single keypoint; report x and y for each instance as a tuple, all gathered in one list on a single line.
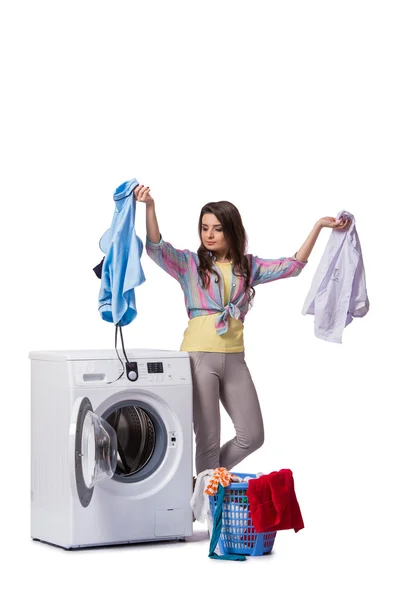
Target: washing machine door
[(95, 450)]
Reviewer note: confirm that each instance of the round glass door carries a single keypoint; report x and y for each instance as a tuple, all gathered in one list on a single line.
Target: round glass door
[(96, 451), (99, 450)]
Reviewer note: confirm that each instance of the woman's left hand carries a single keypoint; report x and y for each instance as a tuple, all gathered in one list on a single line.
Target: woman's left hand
[(331, 222)]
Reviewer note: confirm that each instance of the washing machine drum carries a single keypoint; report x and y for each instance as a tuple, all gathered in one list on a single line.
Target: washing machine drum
[(136, 438)]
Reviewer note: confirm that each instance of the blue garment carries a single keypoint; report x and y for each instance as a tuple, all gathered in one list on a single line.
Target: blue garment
[(217, 527), (121, 271)]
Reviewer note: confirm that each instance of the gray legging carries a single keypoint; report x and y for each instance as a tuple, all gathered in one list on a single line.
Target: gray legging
[(224, 376)]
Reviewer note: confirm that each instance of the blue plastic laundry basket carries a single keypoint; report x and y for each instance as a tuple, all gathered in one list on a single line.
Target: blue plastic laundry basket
[(238, 535)]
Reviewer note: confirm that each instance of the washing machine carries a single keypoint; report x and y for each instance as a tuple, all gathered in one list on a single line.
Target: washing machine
[(111, 447)]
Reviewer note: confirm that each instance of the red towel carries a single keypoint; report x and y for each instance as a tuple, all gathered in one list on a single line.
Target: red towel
[(273, 502)]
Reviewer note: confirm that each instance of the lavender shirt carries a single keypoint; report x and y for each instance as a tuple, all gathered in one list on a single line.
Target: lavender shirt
[(338, 290)]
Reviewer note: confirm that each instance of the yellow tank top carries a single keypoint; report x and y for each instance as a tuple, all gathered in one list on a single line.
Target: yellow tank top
[(201, 336)]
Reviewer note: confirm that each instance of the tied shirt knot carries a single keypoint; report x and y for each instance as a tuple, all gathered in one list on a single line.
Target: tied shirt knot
[(221, 322)]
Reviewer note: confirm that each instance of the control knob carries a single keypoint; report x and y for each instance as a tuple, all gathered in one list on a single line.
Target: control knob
[(131, 371)]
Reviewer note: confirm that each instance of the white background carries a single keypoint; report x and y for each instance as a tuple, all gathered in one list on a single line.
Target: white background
[(290, 110)]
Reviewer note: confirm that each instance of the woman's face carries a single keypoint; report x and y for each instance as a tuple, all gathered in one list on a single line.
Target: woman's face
[(212, 235)]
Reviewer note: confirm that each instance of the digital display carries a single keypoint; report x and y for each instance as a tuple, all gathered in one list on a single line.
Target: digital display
[(156, 367)]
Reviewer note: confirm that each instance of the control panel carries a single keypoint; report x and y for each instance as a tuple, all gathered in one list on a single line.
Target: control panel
[(155, 372), (136, 373)]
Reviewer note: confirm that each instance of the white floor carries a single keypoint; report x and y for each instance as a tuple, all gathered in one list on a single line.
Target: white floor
[(320, 562)]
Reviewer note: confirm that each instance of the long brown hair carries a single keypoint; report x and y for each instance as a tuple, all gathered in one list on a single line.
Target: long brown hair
[(236, 237)]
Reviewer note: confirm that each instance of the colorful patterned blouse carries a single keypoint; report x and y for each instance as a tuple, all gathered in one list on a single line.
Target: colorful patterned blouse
[(182, 265)]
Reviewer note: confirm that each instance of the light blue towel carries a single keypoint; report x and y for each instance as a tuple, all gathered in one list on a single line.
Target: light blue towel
[(122, 271)]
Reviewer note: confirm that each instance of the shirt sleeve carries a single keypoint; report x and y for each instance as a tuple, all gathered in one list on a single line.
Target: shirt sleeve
[(264, 270), (174, 262)]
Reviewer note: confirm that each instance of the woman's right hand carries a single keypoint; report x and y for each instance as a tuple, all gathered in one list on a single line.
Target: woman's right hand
[(142, 194)]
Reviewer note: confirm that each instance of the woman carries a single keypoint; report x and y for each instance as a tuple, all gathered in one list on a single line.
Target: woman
[(218, 284)]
